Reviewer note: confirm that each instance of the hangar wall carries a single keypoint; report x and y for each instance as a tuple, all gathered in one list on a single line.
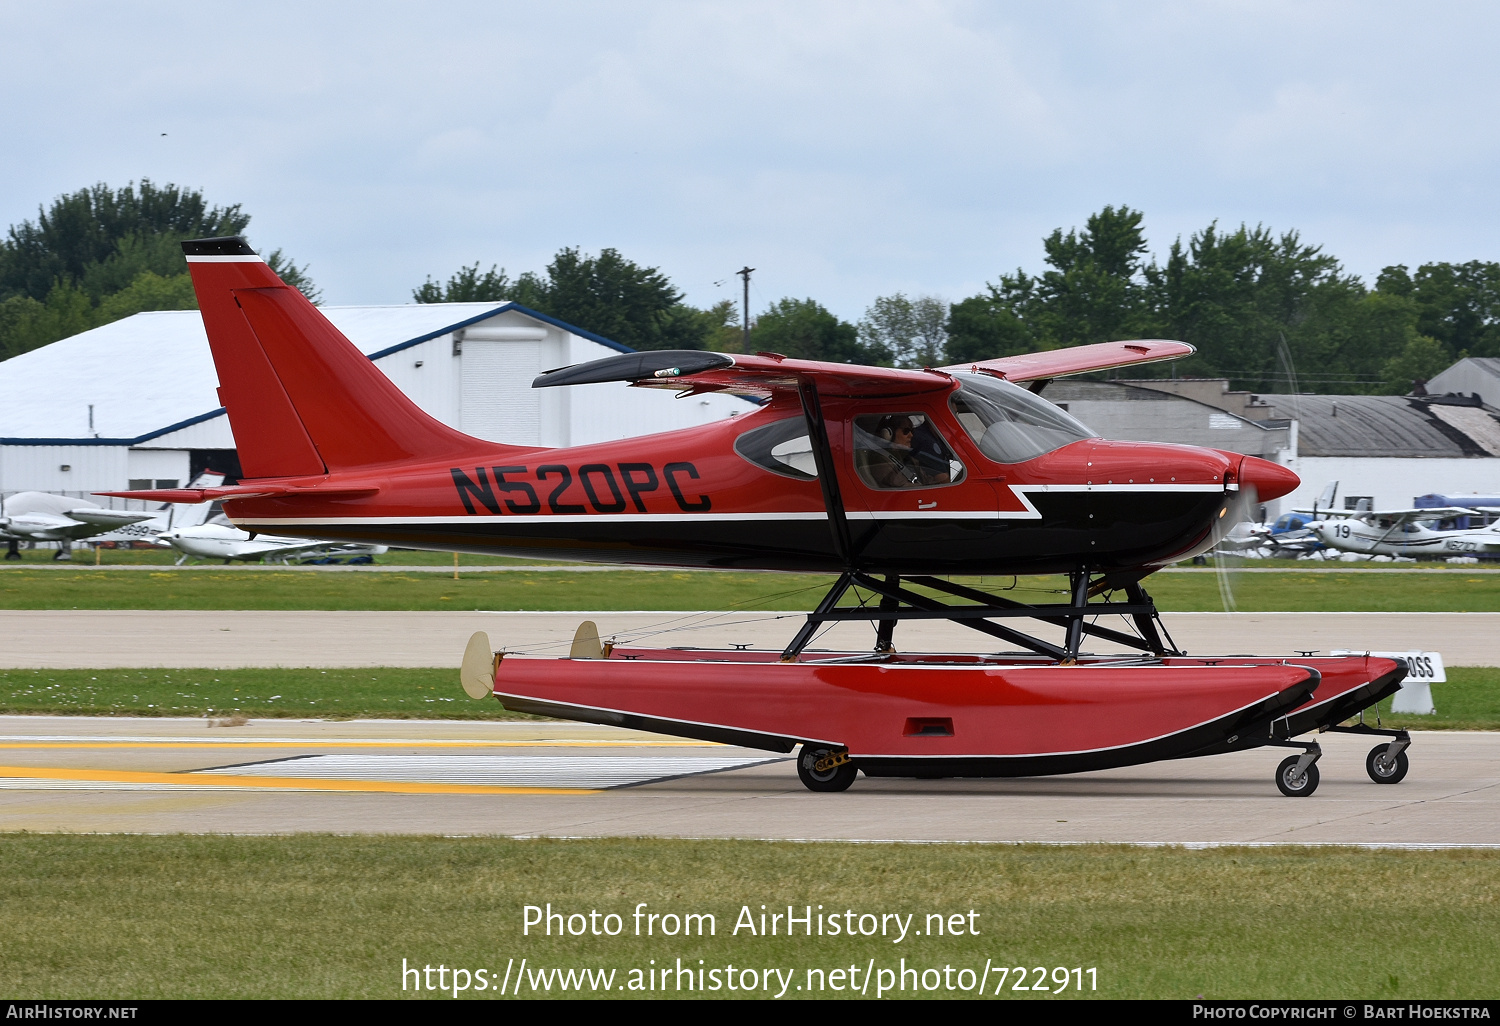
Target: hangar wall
[(1391, 482), (61, 468)]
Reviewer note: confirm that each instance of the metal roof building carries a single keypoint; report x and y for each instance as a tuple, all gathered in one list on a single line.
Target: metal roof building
[(135, 401), (1474, 375), (1387, 448), (1131, 412)]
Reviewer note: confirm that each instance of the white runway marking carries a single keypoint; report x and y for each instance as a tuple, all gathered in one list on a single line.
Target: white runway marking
[(601, 772)]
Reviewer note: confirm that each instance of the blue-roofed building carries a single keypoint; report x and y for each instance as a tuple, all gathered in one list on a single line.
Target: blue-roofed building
[(133, 403)]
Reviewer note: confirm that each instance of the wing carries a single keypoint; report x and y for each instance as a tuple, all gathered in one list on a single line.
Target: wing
[(764, 375), (1060, 363), (1400, 516), (107, 519), (276, 547)]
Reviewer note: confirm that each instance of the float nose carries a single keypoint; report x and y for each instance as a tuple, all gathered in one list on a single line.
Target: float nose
[(1271, 480)]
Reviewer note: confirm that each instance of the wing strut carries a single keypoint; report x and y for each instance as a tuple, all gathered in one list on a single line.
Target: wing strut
[(817, 433)]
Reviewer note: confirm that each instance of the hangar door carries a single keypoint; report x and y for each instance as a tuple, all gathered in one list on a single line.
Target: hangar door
[(496, 400)]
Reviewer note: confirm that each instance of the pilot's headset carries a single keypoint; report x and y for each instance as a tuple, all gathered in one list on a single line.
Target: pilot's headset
[(886, 429)]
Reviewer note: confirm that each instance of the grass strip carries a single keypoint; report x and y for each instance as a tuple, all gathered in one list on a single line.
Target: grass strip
[(24, 588), (1470, 700), (367, 693), (333, 917)]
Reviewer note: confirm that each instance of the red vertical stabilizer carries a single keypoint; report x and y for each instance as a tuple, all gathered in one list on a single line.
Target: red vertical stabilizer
[(301, 398)]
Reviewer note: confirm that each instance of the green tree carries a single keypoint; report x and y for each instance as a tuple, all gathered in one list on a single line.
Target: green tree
[(617, 298), (87, 228), (607, 294), (1262, 308), (469, 285), (979, 328), (100, 254), (1237, 296), (716, 329), (148, 291), (1095, 291), (806, 330), (910, 332), (1457, 304), (1418, 361), (293, 274)]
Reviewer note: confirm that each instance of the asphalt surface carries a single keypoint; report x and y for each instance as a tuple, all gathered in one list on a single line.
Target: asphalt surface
[(85, 639), (80, 774), (523, 779)]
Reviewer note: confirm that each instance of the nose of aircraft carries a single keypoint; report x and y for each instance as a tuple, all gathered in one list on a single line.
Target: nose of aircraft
[(1271, 480)]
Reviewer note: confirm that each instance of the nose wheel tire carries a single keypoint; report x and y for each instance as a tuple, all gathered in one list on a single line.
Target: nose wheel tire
[(1296, 784), (1384, 769), (830, 778)]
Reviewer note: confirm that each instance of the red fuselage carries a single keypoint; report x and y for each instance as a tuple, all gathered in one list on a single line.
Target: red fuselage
[(692, 498)]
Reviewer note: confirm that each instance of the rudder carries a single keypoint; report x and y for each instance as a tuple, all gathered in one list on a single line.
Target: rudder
[(301, 398)]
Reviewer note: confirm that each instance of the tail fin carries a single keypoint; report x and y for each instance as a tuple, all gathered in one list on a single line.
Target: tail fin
[(302, 400), (195, 515)]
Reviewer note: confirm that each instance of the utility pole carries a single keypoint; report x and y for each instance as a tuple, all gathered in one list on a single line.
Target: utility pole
[(744, 272)]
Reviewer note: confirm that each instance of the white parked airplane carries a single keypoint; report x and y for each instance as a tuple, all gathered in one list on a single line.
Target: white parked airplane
[(43, 516), (1406, 532), (220, 541)]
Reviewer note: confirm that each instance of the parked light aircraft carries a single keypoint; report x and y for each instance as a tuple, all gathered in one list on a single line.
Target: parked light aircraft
[(1406, 532), (43, 516), (890, 480), (223, 541), (1287, 537)]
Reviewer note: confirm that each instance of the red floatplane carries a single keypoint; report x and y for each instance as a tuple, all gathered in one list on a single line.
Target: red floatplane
[(894, 480)]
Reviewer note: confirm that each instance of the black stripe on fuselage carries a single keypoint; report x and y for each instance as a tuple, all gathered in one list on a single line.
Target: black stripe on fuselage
[(1103, 529)]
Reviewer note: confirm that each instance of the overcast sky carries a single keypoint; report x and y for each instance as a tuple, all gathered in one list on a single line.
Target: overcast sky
[(846, 150)]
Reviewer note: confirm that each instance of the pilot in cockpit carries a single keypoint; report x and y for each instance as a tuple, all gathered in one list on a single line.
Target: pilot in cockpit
[(901, 466)]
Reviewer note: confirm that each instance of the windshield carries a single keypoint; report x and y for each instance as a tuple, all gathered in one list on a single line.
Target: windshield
[(1010, 424)]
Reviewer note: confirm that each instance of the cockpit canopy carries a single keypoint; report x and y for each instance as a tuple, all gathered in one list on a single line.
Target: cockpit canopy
[(1010, 424)]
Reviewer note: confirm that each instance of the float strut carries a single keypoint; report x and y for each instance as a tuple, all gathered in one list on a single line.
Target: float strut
[(887, 629), (816, 618), (1080, 582)]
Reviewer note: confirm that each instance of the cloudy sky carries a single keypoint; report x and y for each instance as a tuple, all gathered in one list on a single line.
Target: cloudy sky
[(846, 150)]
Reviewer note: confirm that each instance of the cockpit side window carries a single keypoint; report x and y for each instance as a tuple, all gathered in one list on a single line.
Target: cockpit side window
[(782, 448), (903, 450), (1010, 424)]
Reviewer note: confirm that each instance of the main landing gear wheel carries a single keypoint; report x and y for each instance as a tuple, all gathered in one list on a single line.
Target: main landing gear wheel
[(1384, 769), (1294, 783), (825, 769)]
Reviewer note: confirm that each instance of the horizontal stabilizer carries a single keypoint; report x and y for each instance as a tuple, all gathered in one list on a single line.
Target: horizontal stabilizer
[(196, 495)]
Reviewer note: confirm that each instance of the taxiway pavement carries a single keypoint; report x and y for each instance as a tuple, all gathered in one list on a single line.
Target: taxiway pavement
[(84, 639), (80, 774)]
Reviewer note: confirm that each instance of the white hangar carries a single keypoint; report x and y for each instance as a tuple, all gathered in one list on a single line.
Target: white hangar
[(133, 404)]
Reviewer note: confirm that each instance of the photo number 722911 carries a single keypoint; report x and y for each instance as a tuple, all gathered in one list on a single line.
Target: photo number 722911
[(1061, 978)]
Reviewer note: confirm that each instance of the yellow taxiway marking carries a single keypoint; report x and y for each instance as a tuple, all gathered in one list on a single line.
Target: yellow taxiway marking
[(271, 783), (313, 743)]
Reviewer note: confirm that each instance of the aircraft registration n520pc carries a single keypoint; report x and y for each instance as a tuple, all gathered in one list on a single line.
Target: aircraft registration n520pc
[(894, 480)]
